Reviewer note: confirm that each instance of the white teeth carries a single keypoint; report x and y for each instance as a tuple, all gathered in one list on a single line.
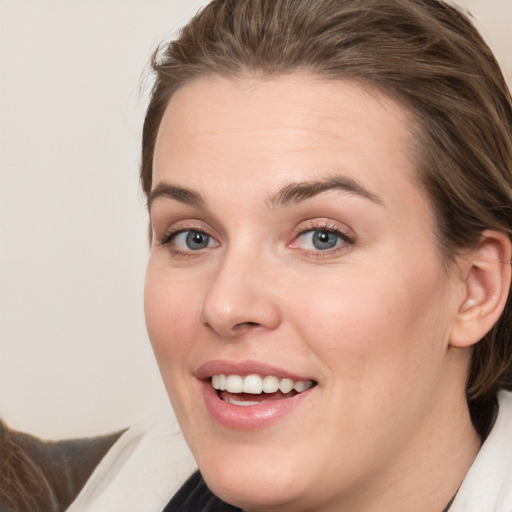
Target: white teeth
[(219, 382), (234, 401), (302, 385), (234, 384), (286, 385), (255, 384), (270, 384)]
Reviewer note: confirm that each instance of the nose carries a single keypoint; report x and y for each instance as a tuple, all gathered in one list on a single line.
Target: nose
[(241, 297)]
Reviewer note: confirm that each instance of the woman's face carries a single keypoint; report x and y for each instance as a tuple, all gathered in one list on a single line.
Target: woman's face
[(293, 248)]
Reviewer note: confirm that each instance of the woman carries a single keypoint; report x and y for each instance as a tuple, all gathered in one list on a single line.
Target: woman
[(329, 188)]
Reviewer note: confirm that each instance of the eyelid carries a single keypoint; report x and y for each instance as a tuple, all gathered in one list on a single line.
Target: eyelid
[(324, 224), (327, 225), (172, 228), (165, 240)]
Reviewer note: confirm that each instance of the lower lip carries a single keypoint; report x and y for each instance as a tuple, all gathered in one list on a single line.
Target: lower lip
[(250, 417)]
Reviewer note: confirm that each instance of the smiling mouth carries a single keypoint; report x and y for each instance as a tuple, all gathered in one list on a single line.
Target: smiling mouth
[(256, 389)]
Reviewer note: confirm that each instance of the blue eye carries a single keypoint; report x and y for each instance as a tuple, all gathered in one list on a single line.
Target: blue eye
[(321, 239), (192, 240)]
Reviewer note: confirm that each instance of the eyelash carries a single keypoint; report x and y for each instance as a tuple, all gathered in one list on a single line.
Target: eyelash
[(171, 235), (312, 226), (324, 227)]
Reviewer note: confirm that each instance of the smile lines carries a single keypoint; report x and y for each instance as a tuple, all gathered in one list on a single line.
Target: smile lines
[(255, 384)]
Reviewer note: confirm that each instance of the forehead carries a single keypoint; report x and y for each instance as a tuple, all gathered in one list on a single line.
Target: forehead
[(260, 133)]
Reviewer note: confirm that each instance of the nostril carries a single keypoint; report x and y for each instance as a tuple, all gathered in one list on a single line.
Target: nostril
[(244, 325)]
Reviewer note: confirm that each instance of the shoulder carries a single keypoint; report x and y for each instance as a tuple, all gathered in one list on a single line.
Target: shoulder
[(39, 475)]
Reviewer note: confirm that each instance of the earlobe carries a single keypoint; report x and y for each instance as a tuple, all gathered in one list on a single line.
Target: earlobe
[(487, 282)]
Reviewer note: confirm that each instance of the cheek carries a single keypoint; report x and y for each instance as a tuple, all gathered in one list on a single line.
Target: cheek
[(380, 342), (375, 323), (171, 312)]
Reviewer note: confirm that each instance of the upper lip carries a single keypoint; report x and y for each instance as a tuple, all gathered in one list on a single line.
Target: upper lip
[(243, 368)]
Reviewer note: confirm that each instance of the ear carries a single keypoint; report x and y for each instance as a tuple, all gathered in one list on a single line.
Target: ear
[(486, 278)]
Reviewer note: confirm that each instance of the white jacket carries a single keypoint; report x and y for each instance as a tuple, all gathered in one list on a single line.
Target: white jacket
[(488, 483), (148, 463), (141, 471)]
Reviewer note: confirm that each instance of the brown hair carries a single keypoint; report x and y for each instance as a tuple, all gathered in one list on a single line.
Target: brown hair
[(426, 54)]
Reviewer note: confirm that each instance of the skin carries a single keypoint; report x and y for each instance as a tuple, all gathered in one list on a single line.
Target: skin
[(370, 320)]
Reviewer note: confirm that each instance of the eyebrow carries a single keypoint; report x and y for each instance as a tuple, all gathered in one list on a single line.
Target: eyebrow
[(183, 195), (290, 193), (297, 192)]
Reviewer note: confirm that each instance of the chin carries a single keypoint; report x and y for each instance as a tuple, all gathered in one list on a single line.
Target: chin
[(251, 492), (259, 478)]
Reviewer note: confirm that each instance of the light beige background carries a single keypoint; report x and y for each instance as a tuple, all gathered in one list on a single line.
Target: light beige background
[(74, 356)]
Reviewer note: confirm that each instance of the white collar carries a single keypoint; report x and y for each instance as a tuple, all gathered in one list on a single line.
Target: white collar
[(488, 484), (142, 470)]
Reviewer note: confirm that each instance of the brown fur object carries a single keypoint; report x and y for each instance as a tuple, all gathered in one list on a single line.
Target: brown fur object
[(39, 476)]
